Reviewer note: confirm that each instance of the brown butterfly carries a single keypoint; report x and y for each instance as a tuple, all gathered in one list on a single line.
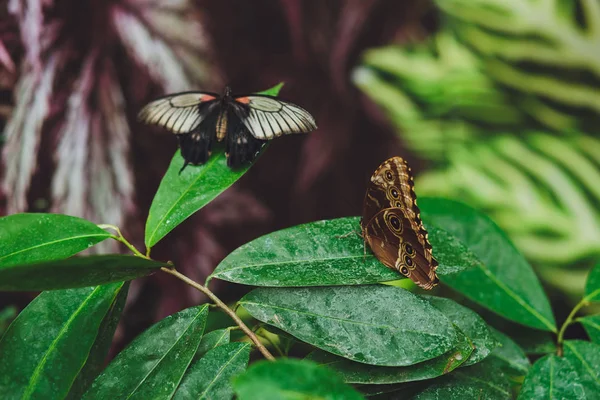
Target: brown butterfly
[(392, 227)]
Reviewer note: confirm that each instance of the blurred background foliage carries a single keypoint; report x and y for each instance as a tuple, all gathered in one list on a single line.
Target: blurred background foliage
[(504, 101), (494, 102)]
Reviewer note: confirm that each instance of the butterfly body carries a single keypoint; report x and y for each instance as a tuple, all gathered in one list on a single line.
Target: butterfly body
[(392, 227), (243, 122)]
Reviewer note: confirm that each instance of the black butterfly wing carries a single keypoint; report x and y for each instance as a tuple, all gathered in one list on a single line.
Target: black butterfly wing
[(180, 113), (268, 117)]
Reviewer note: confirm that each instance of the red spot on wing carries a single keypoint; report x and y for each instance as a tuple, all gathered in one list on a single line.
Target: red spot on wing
[(207, 97), (243, 100)]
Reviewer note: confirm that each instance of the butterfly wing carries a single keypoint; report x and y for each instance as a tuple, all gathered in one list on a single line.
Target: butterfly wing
[(179, 113), (392, 186), (394, 242), (268, 117)]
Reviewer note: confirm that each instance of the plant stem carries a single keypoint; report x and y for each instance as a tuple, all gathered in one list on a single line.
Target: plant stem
[(560, 339), (196, 285), (224, 307)]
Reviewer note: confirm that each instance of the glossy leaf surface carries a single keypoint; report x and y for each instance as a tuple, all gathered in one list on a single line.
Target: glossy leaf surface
[(46, 346), (210, 377), (471, 324), (154, 363), (211, 340), (289, 379), (505, 282), (402, 329), (75, 272), (512, 359), (355, 372), (326, 253), (29, 238)]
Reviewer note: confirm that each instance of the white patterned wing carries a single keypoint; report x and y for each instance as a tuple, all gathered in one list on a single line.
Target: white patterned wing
[(179, 113), (270, 118)]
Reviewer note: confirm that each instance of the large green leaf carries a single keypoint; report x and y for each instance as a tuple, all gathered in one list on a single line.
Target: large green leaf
[(480, 381), (97, 356), (211, 340), (585, 358), (505, 283), (553, 378), (355, 372), (210, 377), (402, 329), (511, 358), (29, 238), (182, 194), (471, 324), (46, 346), (592, 286), (326, 253), (288, 379), (154, 363), (592, 327), (75, 272)]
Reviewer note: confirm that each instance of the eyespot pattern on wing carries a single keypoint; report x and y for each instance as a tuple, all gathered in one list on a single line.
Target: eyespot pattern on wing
[(403, 246)]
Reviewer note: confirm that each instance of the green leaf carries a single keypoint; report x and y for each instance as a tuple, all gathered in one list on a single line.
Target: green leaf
[(273, 91), (46, 346), (75, 272), (585, 359), (6, 316), (480, 381), (402, 329), (592, 286), (471, 324), (325, 253), (592, 327), (505, 283), (210, 341), (289, 379), (512, 359), (534, 342), (99, 351), (354, 372), (180, 195), (154, 363), (29, 238), (210, 377), (554, 378)]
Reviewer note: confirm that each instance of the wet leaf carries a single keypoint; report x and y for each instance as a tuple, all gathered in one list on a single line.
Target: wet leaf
[(505, 282), (326, 253), (480, 381), (182, 194), (75, 272), (29, 238), (154, 363), (46, 346), (585, 359), (99, 351), (511, 357), (592, 327), (210, 377), (355, 372), (402, 329), (554, 378), (211, 340), (471, 324), (288, 379)]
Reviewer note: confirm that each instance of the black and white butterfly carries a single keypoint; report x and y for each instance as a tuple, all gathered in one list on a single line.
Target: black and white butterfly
[(245, 122)]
